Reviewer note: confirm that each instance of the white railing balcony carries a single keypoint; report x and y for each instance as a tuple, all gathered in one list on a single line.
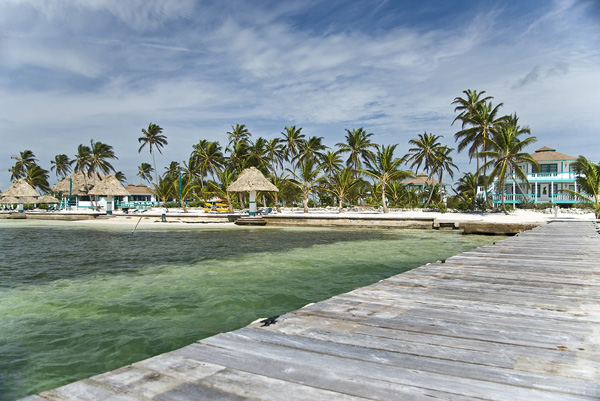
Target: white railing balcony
[(551, 176)]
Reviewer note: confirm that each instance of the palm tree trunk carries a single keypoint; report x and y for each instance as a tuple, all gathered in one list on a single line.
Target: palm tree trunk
[(383, 199), (154, 162), (341, 205), (305, 202)]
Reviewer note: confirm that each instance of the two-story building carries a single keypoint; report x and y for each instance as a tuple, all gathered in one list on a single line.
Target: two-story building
[(544, 186)]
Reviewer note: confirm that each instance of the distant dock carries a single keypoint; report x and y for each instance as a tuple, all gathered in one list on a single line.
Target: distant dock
[(516, 320)]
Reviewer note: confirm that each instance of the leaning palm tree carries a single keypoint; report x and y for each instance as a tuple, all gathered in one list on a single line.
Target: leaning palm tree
[(466, 187), (61, 165), (281, 182), (588, 182), (340, 184), (155, 140), (100, 155), (307, 179), (145, 172), (443, 164), (385, 168), (505, 150), (358, 145), (37, 177), (25, 159), (120, 177), (81, 162)]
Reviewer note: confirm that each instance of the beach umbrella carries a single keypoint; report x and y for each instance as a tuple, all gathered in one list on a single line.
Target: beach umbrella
[(48, 199), (21, 189), (109, 187), (252, 180)]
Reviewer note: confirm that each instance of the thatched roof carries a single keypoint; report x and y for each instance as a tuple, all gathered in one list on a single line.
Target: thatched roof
[(109, 186), (420, 179), (9, 200), (78, 187), (19, 189), (48, 199), (251, 180), (139, 189), (28, 199)]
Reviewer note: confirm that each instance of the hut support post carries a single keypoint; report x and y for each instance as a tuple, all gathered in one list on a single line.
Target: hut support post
[(109, 204), (252, 211), (20, 207)]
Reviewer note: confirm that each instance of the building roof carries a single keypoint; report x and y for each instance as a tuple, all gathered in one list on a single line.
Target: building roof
[(421, 179), (251, 179), (139, 189), (548, 154)]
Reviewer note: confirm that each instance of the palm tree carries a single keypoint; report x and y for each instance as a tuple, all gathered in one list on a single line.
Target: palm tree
[(238, 155), (443, 163), (61, 165), (588, 182), (466, 187), (238, 133), (154, 139), (505, 150), (209, 158), (280, 182), (292, 139), (275, 153), (358, 145), (258, 157), (424, 153), (307, 179), (331, 162), (82, 162), (340, 184), (25, 159), (311, 149), (37, 177), (468, 105), (482, 122), (225, 178), (385, 168), (145, 172), (120, 177), (100, 155)]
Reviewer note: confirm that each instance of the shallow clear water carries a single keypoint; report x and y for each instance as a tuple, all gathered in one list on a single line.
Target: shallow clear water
[(77, 300)]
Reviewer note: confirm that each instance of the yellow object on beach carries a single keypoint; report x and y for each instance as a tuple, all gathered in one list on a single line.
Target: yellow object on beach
[(216, 205)]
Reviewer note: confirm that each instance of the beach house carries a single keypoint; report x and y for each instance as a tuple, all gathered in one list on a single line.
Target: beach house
[(544, 186)]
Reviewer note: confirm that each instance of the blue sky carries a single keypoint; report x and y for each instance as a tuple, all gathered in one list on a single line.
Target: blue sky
[(75, 70)]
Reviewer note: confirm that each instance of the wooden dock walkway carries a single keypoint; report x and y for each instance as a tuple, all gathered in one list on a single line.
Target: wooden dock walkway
[(516, 320)]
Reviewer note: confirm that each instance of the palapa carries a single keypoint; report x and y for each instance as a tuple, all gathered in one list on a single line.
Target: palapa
[(251, 179), (109, 186), (9, 200), (28, 200), (48, 199), (77, 183), (19, 189)]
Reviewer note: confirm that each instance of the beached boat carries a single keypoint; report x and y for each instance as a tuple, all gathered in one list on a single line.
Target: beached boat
[(218, 205)]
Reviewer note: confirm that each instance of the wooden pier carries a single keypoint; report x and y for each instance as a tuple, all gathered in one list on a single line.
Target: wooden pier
[(516, 320)]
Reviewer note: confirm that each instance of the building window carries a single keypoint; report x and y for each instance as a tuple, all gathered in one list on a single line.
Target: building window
[(549, 168)]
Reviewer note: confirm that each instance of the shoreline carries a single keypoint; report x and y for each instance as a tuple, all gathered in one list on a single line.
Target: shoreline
[(470, 222)]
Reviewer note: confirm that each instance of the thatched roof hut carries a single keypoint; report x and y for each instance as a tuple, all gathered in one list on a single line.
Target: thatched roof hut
[(109, 186), (77, 186), (420, 179), (9, 200), (19, 189), (251, 179), (48, 199)]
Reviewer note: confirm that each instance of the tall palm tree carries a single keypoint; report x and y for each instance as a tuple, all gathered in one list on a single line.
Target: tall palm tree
[(307, 178), (292, 138), (145, 172), (100, 155), (588, 182), (154, 138), (275, 153), (340, 184), (258, 156), (209, 158), (312, 148), (238, 155), (424, 153), (385, 168), (82, 162), (238, 133), (331, 162), (61, 165), (358, 145), (25, 159), (505, 150), (468, 105)]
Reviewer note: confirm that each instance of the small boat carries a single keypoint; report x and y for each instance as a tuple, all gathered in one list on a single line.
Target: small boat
[(218, 205)]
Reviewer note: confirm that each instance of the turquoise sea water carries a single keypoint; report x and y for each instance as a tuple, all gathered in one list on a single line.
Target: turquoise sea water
[(77, 300)]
